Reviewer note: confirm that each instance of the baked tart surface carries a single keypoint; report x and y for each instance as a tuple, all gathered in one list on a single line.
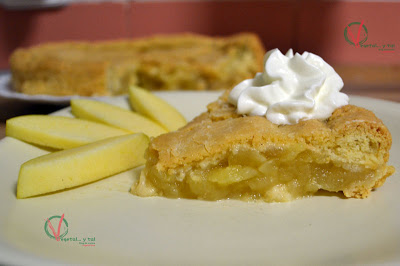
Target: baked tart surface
[(171, 62), (221, 155)]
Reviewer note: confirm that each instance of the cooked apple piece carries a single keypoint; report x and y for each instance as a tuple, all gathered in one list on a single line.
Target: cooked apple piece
[(231, 174), (146, 103), (246, 157), (115, 116), (74, 167), (57, 131), (269, 168)]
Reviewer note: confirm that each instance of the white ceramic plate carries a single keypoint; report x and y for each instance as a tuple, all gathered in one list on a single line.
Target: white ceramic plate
[(7, 92), (320, 230)]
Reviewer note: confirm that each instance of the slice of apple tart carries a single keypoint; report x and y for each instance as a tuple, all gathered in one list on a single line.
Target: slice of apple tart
[(221, 155), (237, 150)]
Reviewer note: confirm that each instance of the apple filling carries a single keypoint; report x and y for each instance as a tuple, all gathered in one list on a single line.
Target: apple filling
[(275, 175)]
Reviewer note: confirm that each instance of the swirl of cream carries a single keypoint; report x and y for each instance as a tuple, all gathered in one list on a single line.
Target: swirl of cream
[(291, 88)]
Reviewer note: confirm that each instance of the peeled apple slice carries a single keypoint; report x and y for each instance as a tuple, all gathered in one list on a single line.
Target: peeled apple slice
[(146, 103), (115, 116), (58, 132), (74, 167)]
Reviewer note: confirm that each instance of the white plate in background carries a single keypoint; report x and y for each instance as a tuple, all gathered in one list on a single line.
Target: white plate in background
[(320, 230), (7, 92)]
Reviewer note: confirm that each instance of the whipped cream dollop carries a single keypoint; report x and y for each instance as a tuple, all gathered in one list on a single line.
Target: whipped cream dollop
[(291, 88)]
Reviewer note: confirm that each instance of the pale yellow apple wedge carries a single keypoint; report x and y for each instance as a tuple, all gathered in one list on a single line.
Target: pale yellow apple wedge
[(58, 132), (81, 165), (115, 116), (146, 103)]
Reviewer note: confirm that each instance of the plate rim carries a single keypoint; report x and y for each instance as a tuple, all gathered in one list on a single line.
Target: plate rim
[(46, 261)]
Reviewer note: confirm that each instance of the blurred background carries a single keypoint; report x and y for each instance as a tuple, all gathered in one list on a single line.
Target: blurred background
[(314, 26), (327, 28)]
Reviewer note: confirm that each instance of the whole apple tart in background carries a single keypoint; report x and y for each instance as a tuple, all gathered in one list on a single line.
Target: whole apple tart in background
[(174, 62)]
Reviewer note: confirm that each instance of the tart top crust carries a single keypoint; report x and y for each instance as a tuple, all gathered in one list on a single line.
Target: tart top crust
[(351, 135), (159, 62)]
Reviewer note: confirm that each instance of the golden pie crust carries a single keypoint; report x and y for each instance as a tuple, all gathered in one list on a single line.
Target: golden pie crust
[(162, 62), (347, 152)]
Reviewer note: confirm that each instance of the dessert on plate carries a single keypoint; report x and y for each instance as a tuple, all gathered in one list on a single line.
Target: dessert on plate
[(285, 134), (174, 62)]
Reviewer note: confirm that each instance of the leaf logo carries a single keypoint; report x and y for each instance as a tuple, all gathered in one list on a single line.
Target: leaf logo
[(362, 33), (62, 227)]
